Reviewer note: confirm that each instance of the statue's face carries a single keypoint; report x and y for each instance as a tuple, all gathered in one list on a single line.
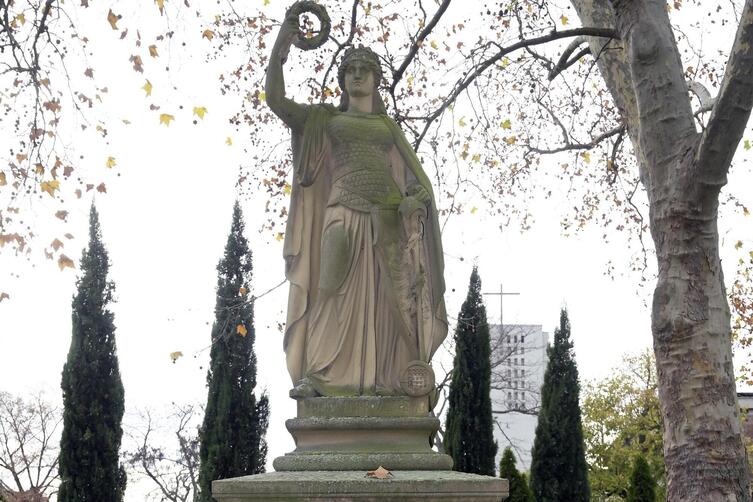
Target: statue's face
[(359, 79)]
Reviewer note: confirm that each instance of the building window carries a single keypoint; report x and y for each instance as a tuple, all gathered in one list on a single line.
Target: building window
[(522, 338), (515, 361), (522, 361)]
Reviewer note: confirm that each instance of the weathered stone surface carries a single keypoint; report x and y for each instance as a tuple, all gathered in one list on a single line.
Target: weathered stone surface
[(430, 461), (352, 486), (363, 406)]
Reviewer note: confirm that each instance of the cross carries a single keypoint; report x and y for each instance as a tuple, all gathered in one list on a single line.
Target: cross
[(501, 294)]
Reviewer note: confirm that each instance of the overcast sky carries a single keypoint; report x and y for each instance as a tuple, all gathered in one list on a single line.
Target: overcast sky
[(165, 220)]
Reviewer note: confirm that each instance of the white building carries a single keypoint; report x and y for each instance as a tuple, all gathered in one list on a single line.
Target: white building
[(518, 363)]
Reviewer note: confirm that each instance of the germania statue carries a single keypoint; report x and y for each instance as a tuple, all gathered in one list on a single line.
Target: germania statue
[(362, 247)]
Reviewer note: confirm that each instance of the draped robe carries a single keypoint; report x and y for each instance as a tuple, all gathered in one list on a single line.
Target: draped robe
[(389, 309)]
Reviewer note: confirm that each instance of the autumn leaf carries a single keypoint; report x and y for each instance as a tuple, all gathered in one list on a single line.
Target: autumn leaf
[(3, 180), (242, 291), (287, 189), (21, 18), (110, 162), (241, 330), (161, 5), (279, 236), (4, 296), (166, 118), (113, 19), (101, 188), (747, 144), (745, 211), (262, 96), (476, 157), (56, 244), (89, 73), (586, 157), (153, 51), (379, 473), (738, 244), (563, 20), (433, 44), (506, 124), (64, 261), (53, 106), (461, 122), (50, 187), (137, 63), (199, 111), (61, 215), (474, 209), (511, 140), (174, 356), (229, 141), (208, 34)]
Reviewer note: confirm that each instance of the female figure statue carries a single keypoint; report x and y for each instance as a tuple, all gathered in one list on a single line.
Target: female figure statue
[(362, 246)]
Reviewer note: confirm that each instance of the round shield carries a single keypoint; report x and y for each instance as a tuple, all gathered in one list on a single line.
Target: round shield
[(417, 379)]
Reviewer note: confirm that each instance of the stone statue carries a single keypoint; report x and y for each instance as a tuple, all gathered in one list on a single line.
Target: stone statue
[(362, 247)]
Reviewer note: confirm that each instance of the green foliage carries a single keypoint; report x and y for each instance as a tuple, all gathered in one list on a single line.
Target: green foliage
[(92, 388), (235, 422), (642, 484), (621, 420), (558, 465), (469, 438), (519, 490)]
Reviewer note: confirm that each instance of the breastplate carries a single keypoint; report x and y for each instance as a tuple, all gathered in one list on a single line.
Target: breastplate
[(361, 171)]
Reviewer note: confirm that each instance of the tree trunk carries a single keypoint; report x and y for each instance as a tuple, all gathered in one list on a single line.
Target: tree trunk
[(683, 172)]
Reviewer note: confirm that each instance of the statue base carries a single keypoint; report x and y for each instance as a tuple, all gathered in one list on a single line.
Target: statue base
[(355, 486), (363, 433)]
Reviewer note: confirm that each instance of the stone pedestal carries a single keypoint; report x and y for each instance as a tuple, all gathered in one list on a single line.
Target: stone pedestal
[(361, 434), (355, 486), (339, 439)]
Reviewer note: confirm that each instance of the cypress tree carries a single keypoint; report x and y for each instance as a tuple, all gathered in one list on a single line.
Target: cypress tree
[(232, 435), (558, 465), (519, 491), (469, 438), (642, 485), (92, 389)]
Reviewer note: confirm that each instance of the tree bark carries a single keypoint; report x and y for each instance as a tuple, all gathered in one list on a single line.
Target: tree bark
[(683, 172)]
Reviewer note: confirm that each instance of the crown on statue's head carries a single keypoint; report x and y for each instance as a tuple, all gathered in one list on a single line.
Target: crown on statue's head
[(363, 55)]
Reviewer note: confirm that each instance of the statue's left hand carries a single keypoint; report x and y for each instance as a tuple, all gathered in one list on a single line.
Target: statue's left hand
[(420, 193)]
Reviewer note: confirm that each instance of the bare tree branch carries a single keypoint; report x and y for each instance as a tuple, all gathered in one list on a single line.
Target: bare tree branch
[(733, 106)]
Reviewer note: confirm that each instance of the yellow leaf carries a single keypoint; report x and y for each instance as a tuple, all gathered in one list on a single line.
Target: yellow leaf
[(110, 162), (434, 44), (21, 18), (208, 34), (112, 18), (745, 209), (287, 189), (263, 96), (241, 330), (476, 157), (165, 118), (738, 244), (64, 261), (266, 2), (461, 122), (148, 88), (50, 187), (200, 111), (586, 157), (505, 62), (229, 141), (510, 140), (474, 209), (153, 51), (3, 180), (174, 356), (563, 19), (747, 144), (506, 124), (161, 5), (242, 291), (279, 236)]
